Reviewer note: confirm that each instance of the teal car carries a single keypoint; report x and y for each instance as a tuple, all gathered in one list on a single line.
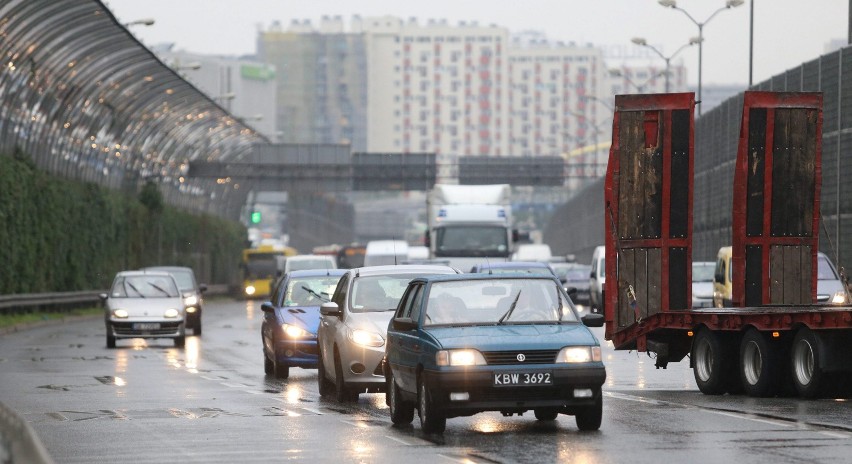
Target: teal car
[(462, 344)]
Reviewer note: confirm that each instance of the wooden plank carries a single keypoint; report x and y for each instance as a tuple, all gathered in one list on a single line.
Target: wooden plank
[(655, 273), (805, 258), (631, 145), (776, 274), (626, 269), (756, 163), (640, 265), (792, 276)]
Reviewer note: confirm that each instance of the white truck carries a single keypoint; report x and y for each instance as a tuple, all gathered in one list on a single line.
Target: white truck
[(469, 224)]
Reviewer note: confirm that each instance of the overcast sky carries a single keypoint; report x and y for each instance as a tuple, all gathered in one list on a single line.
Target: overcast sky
[(786, 32)]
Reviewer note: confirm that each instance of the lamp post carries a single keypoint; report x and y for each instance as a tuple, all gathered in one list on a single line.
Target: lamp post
[(673, 5), (644, 43)]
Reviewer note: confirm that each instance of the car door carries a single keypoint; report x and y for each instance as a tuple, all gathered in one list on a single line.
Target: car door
[(330, 325), (271, 322), (408, 342)]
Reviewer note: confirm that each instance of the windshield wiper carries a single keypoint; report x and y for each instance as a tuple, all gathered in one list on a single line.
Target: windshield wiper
[(314, 293), (559, 299), (511, 308), (135, 290), (160, 289)]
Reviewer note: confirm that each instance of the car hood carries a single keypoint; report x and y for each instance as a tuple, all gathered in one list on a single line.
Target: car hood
[(702, 289), (372, 321), (826, 288), (306, 317), (515, 337), (145, 307)]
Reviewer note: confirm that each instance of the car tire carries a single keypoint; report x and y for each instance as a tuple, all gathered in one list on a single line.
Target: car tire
[(324, 385), (282, 371), (342, 393), (401, 411), (758, 365), (110, 339), (180, 341), (713, 364), (268, 366), (589, 417), (432, 420), (196, 330), (805, 364), (546, 414)]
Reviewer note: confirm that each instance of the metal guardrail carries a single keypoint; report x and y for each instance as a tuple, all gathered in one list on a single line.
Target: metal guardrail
[(63, 301)]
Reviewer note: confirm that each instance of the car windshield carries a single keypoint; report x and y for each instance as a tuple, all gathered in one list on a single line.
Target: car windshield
[(572, 273), (144, 286), (310, 291), (497, 301), (703, 272), (471, 241), (378, 293), (824, 269)]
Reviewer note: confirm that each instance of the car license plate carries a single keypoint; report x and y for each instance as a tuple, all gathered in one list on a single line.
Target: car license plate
[(522, 378), (146, 326)]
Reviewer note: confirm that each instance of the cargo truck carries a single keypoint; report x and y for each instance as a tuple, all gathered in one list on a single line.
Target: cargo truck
[(469, 224), (776, 337)]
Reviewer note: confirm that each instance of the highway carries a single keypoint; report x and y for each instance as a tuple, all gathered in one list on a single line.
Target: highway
[(147, 401)]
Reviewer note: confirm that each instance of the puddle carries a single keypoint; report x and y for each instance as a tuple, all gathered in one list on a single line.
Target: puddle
[(56, 387)]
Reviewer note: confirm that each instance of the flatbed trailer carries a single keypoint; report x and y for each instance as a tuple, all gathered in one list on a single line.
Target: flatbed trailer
[(776, 339)]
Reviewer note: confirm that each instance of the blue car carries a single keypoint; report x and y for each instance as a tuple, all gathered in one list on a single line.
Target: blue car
[(463, 344), (291, 319)]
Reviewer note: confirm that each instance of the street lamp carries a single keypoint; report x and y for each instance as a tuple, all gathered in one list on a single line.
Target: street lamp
[(695, 40), (673, 5), (140, 22)]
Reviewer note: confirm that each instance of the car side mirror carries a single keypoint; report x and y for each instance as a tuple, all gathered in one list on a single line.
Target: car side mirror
[(267, 307), (571, 291), (103, 296), (592, 275), (330, 309), (404, 323), (202, 288), (593, 320)]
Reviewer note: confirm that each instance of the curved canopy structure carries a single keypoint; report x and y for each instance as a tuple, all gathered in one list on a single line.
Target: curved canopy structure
[(88, 101)]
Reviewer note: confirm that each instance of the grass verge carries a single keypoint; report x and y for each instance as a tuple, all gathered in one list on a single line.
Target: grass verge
[(9, 320)]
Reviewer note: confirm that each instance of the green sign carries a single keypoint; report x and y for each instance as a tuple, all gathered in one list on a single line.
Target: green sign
[(258, 72), (255, 217)]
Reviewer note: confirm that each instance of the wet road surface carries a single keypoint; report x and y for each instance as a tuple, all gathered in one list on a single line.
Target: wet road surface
[(147, 401)]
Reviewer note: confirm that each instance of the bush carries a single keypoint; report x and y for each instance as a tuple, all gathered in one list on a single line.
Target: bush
[(62, 235)]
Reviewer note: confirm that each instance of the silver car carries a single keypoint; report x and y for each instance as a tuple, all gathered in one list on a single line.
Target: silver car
[(354, 325), (830, 289), (702, 283), (143, 304)]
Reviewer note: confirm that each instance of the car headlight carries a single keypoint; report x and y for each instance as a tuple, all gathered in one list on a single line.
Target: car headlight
[(464, 357), (366, 338), (293, 331), (250, 289), (120, 313), (171, 313), (191, 300), (579, 354), (839, 297)]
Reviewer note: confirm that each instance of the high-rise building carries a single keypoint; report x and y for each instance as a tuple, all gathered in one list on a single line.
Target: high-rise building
[(322, 76)]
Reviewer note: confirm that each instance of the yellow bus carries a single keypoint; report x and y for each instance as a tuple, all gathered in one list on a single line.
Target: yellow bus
[(260, 268)]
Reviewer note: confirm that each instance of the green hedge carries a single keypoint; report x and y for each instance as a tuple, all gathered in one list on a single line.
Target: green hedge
[(62, 235)]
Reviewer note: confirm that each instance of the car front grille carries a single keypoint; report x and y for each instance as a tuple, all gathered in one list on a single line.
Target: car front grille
[(529, 357), (126, 328), (521, 394)]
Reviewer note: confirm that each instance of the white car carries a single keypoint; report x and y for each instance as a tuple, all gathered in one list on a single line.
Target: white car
[(353, 327), (597, 280), (144, 304)]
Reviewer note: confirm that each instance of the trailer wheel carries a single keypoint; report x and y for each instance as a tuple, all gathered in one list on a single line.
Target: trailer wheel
[(710, 363), (758, 364), (805, 364)]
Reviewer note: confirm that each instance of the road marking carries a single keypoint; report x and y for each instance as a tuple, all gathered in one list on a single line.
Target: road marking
[(410, 441), (836, 434), (253, 392), (207, 377), (746, 416), (234, 385)]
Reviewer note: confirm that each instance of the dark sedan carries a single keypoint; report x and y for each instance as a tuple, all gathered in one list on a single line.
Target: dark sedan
[(291, 319), (459, 345)]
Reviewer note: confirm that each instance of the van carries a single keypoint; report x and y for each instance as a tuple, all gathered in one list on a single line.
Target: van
[(384, 252), (533, 252), (722, 278), (597, 279)]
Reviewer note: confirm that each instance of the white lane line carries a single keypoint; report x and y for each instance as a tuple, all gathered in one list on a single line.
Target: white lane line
[(313, 411), (410, 441), (207, 377), (253, 392), (837, 434), (751, 418), (233, 385)]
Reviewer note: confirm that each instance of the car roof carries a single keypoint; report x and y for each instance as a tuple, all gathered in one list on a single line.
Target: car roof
[(401, 269), (308, 257), (167, 268), (317, 272), (144, 272), (458, 277), (512, 265)]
